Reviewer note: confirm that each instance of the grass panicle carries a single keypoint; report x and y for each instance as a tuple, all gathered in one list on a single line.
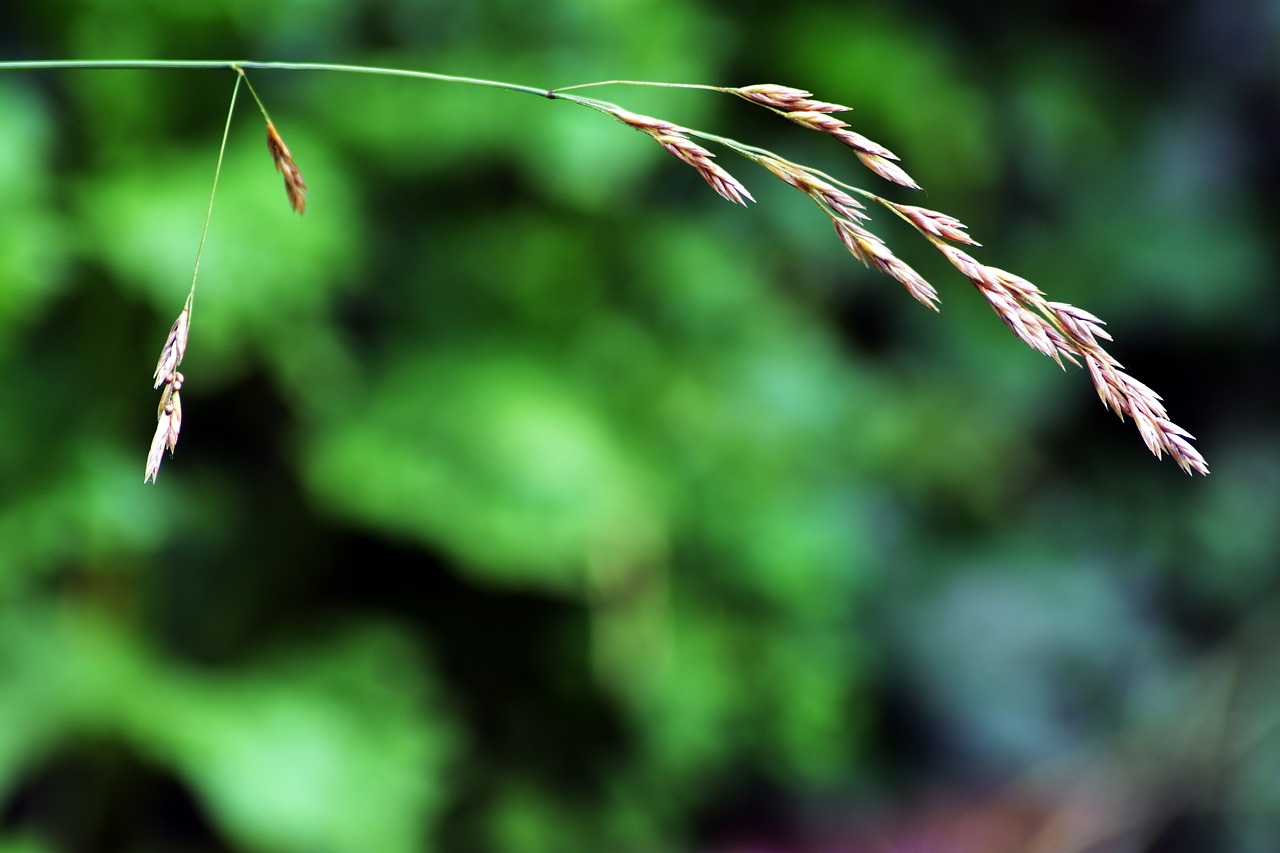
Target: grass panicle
[(1056, 329), (1061, 331)]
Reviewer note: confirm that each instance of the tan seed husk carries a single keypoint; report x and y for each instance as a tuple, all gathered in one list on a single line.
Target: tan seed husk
[(294, 186)]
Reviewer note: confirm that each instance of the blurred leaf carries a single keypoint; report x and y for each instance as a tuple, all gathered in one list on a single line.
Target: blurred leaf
[(273, 747), (33, 248), (491, 456)]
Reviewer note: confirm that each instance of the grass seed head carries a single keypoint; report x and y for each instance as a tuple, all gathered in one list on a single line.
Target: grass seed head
[(168, 425), (700, 159), (676, 140), (786, 99), (175, 421), (887, 169), (939, 225), (159, 441), (294, 186), (175, 346)]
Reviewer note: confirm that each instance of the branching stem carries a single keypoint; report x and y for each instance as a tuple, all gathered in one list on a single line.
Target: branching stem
[(1055, 329), (238, 65)]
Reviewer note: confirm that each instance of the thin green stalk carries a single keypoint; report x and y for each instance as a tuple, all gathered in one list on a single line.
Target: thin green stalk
[(703, 86), (241, 65), (169, 412), (252, 91), (217, 173), (237, 65)]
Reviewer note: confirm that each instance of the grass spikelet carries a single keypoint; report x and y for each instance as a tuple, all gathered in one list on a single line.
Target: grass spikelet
[(158, 443), (1064, 332), (873, 155), (676, 140), (786, 99), (294, 186), (828, 196), (168, 425), (931, 222), (175, 347), (833, 126), (887, 169), (872, 251), (169, 412)]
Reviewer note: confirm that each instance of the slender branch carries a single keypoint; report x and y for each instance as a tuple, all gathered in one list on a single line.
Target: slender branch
[(703, 86), (240, 65), (169, 412), (252, 91), (217, 173), (236, 65)]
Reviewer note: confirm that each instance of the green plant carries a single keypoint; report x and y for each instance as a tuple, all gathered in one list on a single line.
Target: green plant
[(1056, 329)]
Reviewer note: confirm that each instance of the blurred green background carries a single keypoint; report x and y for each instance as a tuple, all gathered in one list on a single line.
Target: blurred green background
[(532, 498)]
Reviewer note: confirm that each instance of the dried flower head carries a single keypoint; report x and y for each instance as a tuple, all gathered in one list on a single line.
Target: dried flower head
[(294, 185)]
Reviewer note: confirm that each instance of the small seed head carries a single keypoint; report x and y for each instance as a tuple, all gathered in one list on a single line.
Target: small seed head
[(294, 186)]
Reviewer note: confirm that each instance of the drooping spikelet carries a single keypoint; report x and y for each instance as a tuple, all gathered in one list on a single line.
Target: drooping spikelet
[(168, 425), (294, 185), (175, 347), (786, 99), (674, 138), (169, 412)]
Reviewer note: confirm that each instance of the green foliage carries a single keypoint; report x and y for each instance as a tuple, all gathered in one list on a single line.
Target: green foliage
[(344, 719), (530, 497)]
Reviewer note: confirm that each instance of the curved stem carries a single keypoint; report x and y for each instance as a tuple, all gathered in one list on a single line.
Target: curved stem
[(236, 65), (239, 67), (217, 172)]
